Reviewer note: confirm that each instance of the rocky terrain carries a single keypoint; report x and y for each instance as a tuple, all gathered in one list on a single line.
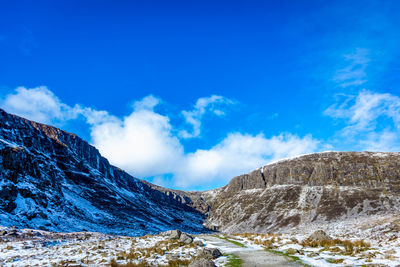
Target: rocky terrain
[(316, 189), (26, 247), (53, 180)]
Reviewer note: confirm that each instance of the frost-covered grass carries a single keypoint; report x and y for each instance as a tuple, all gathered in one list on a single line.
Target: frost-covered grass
[(340, 251), (41, 248), (377, 245)]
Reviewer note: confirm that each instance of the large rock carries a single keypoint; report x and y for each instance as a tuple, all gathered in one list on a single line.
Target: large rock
[(172, 234), (319, 236), (175, 234), (209, 253), (202, 262), (185, 238)]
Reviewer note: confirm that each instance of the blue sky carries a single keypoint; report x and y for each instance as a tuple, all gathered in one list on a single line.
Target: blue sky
[(188, 94)]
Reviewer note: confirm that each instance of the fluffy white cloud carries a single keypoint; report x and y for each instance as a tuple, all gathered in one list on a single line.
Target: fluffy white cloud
[(141, 143), (372, 120), (38, 104), (146, 144), (42, 105), (240, 153), (213, 104)]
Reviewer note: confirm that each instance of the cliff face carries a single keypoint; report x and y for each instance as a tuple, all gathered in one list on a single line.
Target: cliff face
[(316, 188), (51, 179)]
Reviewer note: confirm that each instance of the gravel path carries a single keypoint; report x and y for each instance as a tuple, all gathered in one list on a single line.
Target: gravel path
[(251, 257)]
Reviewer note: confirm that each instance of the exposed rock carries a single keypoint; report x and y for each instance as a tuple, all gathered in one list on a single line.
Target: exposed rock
[(319, 236), (55, 172), (198, 243), (175, 234), (315, 188), (69, 186), (209, 253), (185, 238), (202, 262)]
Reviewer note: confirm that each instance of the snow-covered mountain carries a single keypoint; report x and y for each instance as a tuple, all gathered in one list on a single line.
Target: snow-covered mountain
[(316, 190), (54, 180)]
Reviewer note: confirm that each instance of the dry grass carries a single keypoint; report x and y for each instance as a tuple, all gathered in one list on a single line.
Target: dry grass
[(158, 249), (178, 262), (350, 247), (113, 263)]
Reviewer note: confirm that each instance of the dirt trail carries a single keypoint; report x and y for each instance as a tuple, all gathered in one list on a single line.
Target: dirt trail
[(251, 257)]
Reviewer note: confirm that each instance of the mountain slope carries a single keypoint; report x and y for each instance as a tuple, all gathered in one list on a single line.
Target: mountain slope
[(313, 189), (53, 180)]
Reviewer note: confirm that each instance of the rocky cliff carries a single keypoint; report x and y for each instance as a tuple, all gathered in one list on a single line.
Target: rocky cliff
[(53, 180), (316, 188)]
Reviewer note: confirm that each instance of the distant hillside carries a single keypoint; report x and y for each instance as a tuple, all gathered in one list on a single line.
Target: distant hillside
[(316, 188)]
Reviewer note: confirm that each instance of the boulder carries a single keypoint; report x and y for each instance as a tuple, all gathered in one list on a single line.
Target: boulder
[(319, 236), (175, 234), (185, 238), (198, 243), (202, 262), (209, 253)]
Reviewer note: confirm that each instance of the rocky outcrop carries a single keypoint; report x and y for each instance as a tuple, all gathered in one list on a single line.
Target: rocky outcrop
[(53, 180), (209, 253), (363, 169), (322, 187)]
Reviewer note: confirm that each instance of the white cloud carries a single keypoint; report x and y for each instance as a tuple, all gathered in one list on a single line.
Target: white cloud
[(141, 143), (385, 140), (213, 104), (372, 120), (240, 153), (146, 144), (38, 104), (354, 74), (42, 105)]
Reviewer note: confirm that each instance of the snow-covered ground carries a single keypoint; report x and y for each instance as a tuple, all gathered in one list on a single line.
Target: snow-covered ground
[(41, 248), (373, 242), (377, 254)]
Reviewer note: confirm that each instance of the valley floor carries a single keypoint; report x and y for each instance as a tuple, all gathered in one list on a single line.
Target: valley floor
[(24, 247), (249, 255)]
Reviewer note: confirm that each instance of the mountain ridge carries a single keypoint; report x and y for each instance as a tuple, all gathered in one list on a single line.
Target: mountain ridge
[(320, 187), (54, 180)]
